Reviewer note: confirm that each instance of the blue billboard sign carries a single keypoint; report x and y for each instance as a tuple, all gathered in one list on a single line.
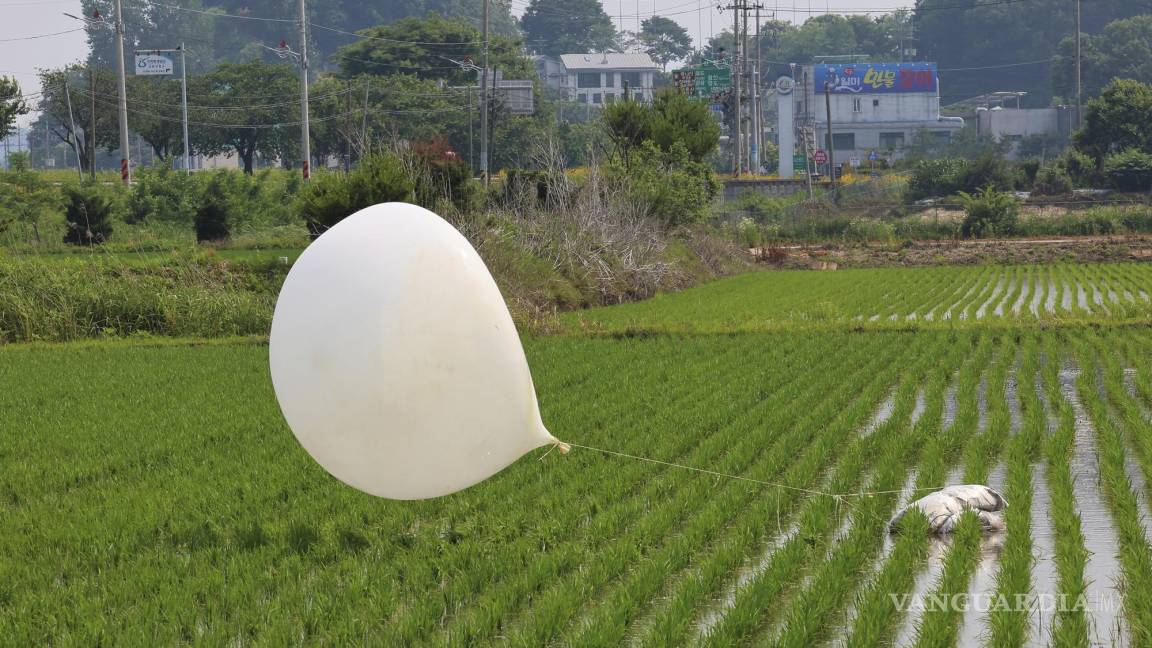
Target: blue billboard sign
[(875, 78)]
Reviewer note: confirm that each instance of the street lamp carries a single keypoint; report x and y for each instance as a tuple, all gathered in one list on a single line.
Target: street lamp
[(117, 26), (300, 58)]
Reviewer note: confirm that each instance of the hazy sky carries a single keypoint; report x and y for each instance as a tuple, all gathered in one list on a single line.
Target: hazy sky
[(21, 58), (23, 18)]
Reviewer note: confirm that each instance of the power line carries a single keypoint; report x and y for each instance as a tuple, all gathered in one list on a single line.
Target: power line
[(392, 40), (995, 67), (28, 38), (216, 14), (144, 113), (339, 93)]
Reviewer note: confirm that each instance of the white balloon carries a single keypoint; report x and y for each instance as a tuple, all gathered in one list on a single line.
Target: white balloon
[(395, 360)]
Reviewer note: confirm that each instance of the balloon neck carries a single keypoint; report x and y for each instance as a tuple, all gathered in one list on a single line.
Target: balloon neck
[(564, 448)]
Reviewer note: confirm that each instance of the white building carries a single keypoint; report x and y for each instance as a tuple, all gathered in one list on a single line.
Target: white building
[(1014, 124), (598, 79), (874, 107)]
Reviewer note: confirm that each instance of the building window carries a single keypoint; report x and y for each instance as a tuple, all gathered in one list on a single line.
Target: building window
[(843, 141), (875, 103), (597, 98), (582, 98), (632, 79), (891, 140), (609, 98), (609, 79), (856, 104), (942, 137), (588, 80)]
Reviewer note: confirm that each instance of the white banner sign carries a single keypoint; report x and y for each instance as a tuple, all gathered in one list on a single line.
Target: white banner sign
[(153, 64)]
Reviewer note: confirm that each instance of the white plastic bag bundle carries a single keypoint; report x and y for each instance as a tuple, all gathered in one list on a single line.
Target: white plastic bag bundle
[(944, 508)]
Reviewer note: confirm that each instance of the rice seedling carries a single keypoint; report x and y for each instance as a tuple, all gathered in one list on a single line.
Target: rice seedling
[(150, 493)]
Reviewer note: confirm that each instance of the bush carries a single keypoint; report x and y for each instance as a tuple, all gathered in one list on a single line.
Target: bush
[(1029, 168), (933, 178), (213, 216), (989, 213), (1052, 180), (671, 187), (863, 230), (440, 174), (331, 197), (1080, 168), (749, 233), (25, 195), (521, 183), (88, 213), (1129, 170), (988, 170), (160, 193), (765, 209)]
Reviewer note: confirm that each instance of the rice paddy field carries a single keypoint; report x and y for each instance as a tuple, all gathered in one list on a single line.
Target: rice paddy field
[(151, 494)]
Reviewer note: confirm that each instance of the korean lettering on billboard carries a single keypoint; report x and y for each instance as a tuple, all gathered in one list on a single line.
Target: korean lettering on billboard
[(876, 78)]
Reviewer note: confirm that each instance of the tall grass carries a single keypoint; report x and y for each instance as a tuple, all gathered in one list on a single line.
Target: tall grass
[(194, 296)]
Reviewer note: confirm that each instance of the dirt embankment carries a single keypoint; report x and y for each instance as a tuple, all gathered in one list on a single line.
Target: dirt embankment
[(1084, 249)]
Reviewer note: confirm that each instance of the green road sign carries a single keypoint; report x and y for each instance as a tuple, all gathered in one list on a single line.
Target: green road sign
[(705, 81), (799, 161), (711, 80)]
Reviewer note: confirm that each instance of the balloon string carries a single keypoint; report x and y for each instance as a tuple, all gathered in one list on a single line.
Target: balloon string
[(837, 496)]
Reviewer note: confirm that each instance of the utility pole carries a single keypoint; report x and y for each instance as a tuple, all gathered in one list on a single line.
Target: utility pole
[(348, 129), (484, 104), (758, 116), (92, 121), (184, 108), (471, 127), (364, 121), (125, 154), (737, 149), (748, 88), (75, 140), (305, 135), (1079, 90), (831, 157)]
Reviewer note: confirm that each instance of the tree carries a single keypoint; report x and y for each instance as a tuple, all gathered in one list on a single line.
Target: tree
[(664, 40), (672, 120), (976, 39), (11, 105), (679, 119), (212, 39), (426, 47), (1123, 50), (249, 108), (159, 118), (555, 27), (1117, 120), (629, 125), (93, 102)]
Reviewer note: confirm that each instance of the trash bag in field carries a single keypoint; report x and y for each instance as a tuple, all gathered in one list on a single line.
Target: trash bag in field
[(944, 508)]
